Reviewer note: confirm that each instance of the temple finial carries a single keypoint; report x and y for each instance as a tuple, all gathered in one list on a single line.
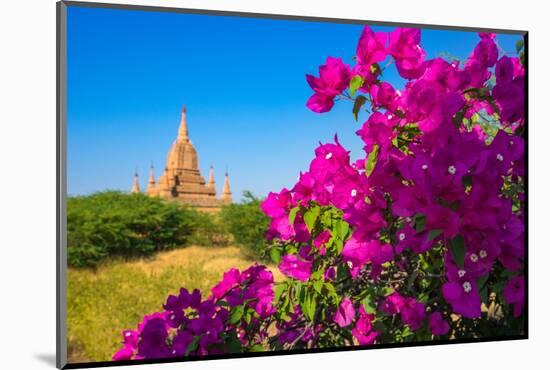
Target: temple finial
[(135, 186), (211, 182), (183, 133), (226, 194), (152, 175)]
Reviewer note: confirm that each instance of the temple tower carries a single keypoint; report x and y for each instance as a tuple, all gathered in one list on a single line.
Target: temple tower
[(182, 180)]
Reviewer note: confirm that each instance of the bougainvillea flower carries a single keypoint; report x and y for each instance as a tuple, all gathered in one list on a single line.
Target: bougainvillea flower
[(345, 314), (277, 204), (259, 292), (486, 53), (334, 77), (514, 293), (393, 303), (437, 324), (463, 296), (404, 47), (510, 98), (295, 267), (321, 240), (363, 330), (443, 218), (371, 47), (125, 353), (413, 313), (377, 130), (231, 279), (153, 339)]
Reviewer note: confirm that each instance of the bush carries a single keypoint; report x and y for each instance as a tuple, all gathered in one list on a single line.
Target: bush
[(248, 225), (209, 230), (130, 225)]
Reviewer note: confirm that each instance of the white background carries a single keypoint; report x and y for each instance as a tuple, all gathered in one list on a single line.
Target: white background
[(27, 182)]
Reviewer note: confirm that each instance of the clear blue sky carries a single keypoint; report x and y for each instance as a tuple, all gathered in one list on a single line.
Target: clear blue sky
[(242, 80)]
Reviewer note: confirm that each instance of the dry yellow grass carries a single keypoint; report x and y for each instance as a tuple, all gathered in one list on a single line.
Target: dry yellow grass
[(210, 258), (101, 303)]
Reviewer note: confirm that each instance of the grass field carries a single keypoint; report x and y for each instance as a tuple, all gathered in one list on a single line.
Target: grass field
[(101, 303)]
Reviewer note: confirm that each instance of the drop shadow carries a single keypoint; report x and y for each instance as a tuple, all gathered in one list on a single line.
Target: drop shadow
[(47, 358)]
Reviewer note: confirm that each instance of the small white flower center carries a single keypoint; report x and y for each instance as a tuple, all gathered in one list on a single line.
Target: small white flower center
[(353, 192), (461, 273), (424, 167), (500, 157), (467, 286), (402, 236), (452, 170), (473, 257), (482, 253), (328, 156)]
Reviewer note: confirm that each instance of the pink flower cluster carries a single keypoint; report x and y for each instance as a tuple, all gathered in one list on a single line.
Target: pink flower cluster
[(441, 179), (452, 171), (191, 326)]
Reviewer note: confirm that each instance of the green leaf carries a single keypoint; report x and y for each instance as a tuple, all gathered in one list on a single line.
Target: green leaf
[(519, 45), (434, 234), (275, 254), (359, 102), (355, 84), (292, 215), (311, 216), (279, 289), (236, 314), (367, 303), (467, 181), (420, 222), (481, 281), (458, 249), (318, 286), (193, 345), (371, 160), (257, 348), (341, 228), (386, 291)]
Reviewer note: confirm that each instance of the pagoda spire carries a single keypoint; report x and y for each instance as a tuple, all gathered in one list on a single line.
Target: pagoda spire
[(135, 187), (151, 183), (183, 133), (211, 182), (226, 194)]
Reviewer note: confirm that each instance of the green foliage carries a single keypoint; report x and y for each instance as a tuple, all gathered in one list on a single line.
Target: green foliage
[(248, 226), (359, 102), (129, 225), (209, 230), (355, 84)]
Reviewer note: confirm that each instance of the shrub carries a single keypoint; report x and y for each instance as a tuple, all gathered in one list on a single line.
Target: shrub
[(248, 225), (129, 225), (209, 230)]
